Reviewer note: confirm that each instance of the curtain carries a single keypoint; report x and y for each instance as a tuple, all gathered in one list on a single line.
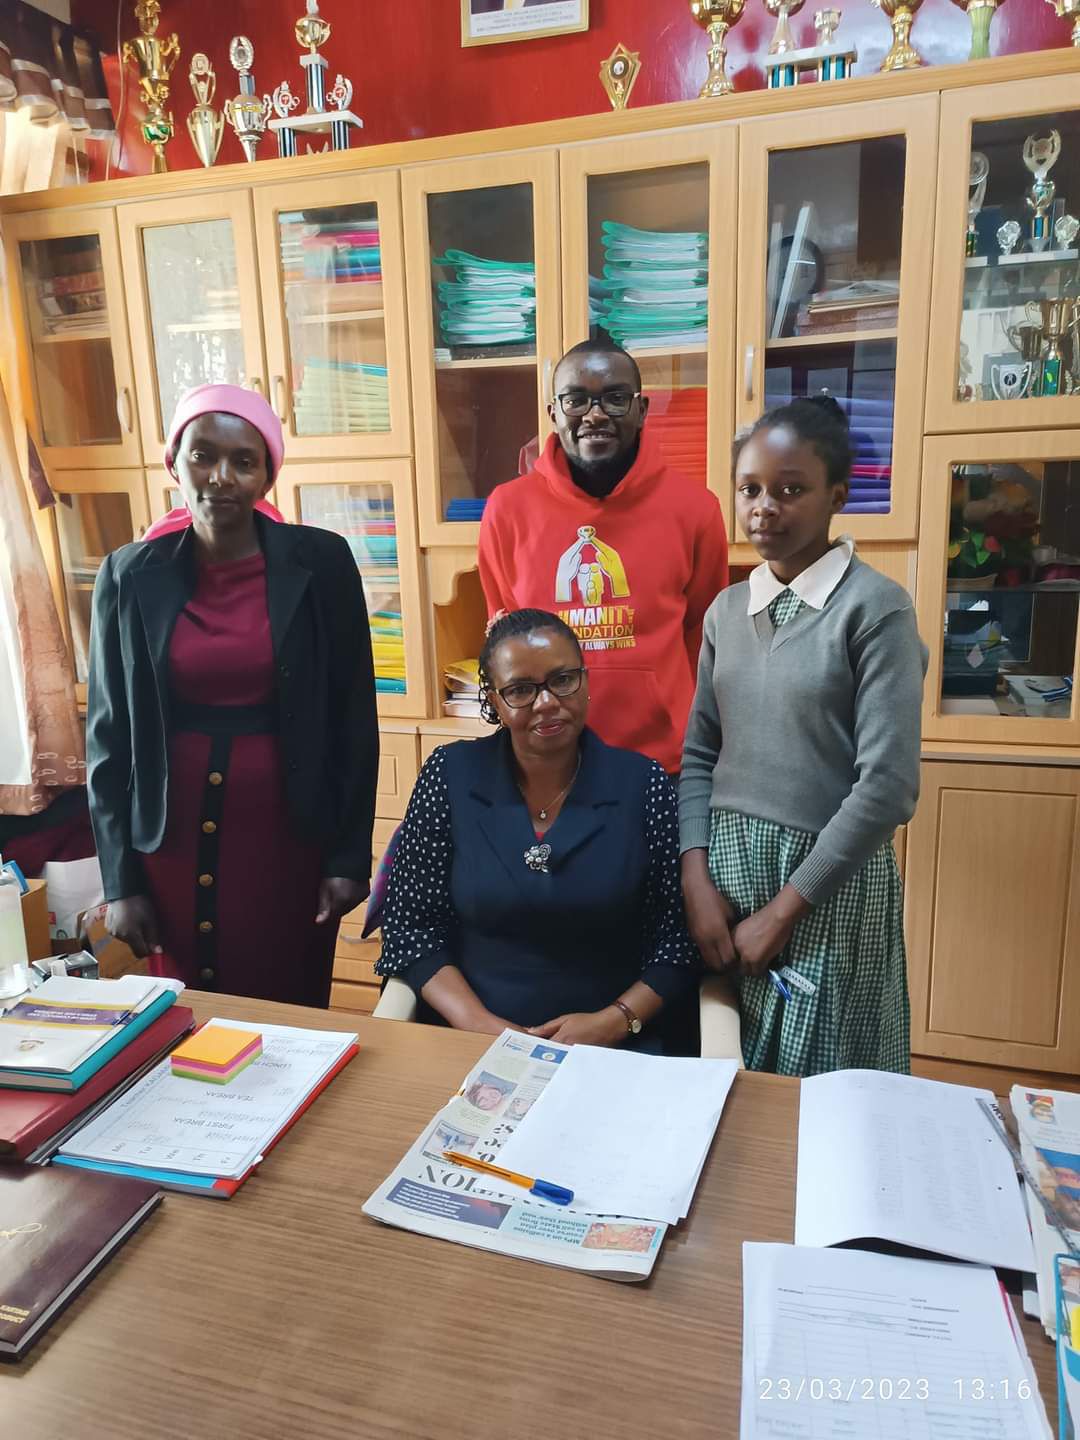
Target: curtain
[(41, 744)]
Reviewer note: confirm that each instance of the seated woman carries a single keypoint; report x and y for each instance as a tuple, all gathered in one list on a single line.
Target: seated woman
[(535, 882)]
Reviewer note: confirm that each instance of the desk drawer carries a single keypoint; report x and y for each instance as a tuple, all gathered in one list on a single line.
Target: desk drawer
[(360, 999), (399, 766)]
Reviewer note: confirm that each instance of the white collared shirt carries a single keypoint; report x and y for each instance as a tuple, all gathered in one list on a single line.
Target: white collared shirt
[(813, 586)]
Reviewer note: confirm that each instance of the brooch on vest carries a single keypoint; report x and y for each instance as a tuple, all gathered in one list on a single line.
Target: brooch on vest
[(536, 858)]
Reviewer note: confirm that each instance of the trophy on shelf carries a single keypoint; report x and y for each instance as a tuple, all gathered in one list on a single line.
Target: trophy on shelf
[(618, 75), (312, 31), (978, 175), (783, 40), (901, 55), (205, 124), (716, 17), (981, 14), (155, 59), (834, 62), (1012, 379), (247, 112), (1066, 229), (1007, 236), (1058, 317), (1040, 157), (1068, 10)]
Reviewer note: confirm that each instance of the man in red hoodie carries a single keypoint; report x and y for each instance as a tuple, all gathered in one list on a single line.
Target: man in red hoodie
[(627, 551)]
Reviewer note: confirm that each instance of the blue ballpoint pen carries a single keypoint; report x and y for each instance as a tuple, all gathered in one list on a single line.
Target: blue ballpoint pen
[(779, 985)]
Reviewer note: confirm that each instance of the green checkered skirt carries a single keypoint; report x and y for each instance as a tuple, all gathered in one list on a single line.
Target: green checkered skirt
[(851, 948)]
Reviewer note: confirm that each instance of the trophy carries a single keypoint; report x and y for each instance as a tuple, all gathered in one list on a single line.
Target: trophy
[(618, 74), (717, 17), (1040, 156), (205, 124), (1007, 236), (981, 15), (1068, 10), (978, 175), (835, 63), (247, 113), (312, 31), (1066, 229), (1058, 317), (902, 54), (155, 59), (783, 40), (1011, 381)]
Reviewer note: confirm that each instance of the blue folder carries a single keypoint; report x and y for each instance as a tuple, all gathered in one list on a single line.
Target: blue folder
[(65, 1082)]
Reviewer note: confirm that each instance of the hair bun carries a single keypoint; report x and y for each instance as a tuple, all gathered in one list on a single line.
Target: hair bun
[(830, 406)]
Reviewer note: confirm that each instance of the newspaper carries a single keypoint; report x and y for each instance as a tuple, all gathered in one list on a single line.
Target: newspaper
[(433, 1197), (1049, 1126)]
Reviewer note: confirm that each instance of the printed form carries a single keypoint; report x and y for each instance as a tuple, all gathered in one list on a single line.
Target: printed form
[(842, 1343)]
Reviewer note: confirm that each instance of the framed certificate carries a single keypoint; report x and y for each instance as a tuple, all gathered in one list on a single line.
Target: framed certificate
[(493, 22)]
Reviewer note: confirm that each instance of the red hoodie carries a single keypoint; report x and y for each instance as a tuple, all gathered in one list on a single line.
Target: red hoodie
[(632, 573)]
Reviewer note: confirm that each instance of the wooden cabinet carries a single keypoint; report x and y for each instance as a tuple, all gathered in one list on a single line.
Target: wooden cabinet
[(480, 368), (835, 239), (370, 504), (994, 312), (333, 305), (68, 300), (669, 197), (997, 599), (993, 915), (193, 297)]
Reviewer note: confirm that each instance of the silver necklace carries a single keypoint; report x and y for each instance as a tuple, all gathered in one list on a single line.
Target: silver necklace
[(542, 813)]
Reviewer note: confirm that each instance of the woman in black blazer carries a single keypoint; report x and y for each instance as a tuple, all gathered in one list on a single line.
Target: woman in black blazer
[(535, 878), (232, 738)]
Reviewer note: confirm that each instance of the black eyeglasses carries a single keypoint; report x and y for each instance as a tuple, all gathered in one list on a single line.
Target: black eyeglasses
[(614, 403), (521, 693)]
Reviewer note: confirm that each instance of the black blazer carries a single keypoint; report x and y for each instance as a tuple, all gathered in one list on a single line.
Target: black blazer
[(325, 695)]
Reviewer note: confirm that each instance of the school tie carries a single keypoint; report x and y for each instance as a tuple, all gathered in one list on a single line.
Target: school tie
[(785, 607)]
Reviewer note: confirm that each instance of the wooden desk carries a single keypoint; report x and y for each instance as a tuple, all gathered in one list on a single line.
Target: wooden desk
[(286, 1313)]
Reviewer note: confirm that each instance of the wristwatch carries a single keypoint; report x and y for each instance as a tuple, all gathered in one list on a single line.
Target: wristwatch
[(633, 1024)]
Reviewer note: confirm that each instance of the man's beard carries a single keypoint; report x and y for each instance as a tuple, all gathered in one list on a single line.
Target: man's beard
[(600, 477)]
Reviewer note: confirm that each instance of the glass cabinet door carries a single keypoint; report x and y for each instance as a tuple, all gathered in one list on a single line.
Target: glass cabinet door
[(95, 514), (195, 316), (644, 259), (834, 254), (77, 366), (334, 309), (999, 586), (370, 504), (1006, 354), (482, 266)]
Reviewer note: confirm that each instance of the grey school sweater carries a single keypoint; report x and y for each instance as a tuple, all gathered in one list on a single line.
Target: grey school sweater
[(815, 726)]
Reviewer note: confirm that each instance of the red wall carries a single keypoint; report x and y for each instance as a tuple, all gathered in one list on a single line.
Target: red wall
[(413, 79)]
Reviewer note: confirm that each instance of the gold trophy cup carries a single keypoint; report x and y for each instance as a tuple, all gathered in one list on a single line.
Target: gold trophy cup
[(205, 124), (155, 59), (717, 17), (902, 54)]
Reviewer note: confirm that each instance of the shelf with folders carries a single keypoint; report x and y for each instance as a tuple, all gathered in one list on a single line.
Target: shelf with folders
[(332, 280)]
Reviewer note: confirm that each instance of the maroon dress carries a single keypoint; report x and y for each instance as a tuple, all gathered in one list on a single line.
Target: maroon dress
[(235, 889)]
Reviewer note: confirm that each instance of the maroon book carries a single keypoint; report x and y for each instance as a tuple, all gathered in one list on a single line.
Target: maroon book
[(57, 1229), (30, 1117)]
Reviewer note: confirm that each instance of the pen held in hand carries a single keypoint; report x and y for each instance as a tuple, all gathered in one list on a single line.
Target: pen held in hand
[(543, 1189)]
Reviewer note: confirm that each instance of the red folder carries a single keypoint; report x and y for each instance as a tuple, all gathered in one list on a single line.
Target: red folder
[(29, 1117)]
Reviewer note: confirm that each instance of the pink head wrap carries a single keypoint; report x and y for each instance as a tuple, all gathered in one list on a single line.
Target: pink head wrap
[(228, 400)]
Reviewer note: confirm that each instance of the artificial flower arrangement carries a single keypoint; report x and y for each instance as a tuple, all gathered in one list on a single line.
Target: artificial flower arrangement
[(992, 530)]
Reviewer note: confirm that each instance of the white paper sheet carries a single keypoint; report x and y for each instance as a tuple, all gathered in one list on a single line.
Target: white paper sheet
[(199, 1128), (841, 1343), (627, 1133), (911, 1161)]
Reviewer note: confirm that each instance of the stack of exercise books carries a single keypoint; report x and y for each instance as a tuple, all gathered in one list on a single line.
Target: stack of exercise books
[(341, 397), (679, 422), (71, 304), (206, 1139), (862, 305), (462, 680), (334, 252), (57, 1229), (466, 507), (657, 287), (488, 303), (61, 1034)]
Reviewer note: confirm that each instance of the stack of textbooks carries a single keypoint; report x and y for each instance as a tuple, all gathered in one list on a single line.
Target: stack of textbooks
[(488, 303), (72, 304), (657, 286), (203, 1138), (462, 508), (341, 397), (462, 678), (335, 253), (862, 305), (60, 1035)]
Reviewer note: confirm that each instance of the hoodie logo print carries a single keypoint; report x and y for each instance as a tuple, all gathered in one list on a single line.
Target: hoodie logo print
[(588, 571)]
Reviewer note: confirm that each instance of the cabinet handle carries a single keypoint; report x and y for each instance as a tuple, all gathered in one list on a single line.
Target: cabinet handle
[(255, 384), (280, 397), (748, 373), (548, 368), (123, 408)]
